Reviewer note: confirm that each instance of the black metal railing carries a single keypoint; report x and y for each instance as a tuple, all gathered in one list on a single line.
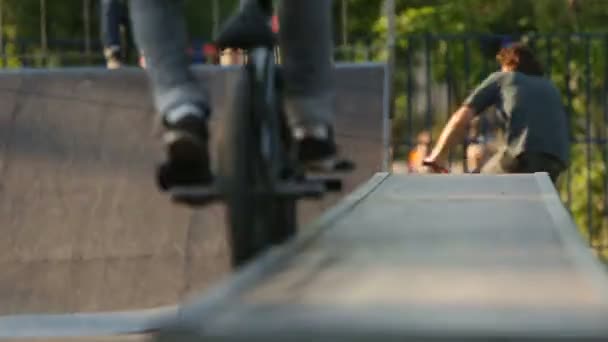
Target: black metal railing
[(435, 72)]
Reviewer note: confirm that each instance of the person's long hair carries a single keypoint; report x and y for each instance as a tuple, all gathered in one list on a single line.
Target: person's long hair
[(520, 57)]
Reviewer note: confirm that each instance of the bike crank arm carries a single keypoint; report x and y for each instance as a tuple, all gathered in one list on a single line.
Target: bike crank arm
[(203, 195), (196, 195)]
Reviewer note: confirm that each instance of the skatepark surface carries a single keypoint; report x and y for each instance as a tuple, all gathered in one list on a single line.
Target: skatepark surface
[(92, 252), (84, 228), (431, 258), (398, 259)]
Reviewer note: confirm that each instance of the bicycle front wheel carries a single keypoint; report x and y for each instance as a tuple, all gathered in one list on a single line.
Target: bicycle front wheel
[(238, 159)]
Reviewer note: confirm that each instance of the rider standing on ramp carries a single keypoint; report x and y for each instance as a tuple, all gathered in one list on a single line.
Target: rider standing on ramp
[(537, 128), (306, 48)]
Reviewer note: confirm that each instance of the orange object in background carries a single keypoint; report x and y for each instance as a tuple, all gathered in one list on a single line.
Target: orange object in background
[(419, 152), (414, 159)]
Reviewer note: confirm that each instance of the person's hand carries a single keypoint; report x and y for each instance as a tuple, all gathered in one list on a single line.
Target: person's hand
[(142, 60), (431, 165)]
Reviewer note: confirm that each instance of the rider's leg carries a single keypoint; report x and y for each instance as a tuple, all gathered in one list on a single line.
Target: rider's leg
[(504, 162), (530, 162), (501, 162), (306, 54), (159, 30), (110, 18)]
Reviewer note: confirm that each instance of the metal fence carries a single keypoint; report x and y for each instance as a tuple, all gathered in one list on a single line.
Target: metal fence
[(44, 49), (435, 72), (66, 53)]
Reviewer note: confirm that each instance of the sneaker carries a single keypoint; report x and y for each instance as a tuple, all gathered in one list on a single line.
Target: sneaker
[(112, 55), (250, 27), (113, 64), (316, 149), (186, 142), (314, 144)]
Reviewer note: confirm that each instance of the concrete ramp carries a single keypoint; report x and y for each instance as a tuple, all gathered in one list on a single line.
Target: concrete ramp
[(403, 258), (83, 227), (420, 258)]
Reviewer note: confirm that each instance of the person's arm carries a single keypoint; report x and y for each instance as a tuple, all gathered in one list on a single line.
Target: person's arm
[(452, 133), (485, 95)]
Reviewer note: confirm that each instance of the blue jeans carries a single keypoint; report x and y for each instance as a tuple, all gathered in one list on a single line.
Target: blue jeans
[(306, 48), (113, 15)]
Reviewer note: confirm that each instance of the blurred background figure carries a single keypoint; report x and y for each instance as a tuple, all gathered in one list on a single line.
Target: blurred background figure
[(476, 147), (231, 56), (114, 19), (421, 150)]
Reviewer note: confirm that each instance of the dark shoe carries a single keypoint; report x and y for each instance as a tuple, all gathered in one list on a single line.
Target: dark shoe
[(314, 146), (172, 174), (186, 141), (317, 150), (248, 28)]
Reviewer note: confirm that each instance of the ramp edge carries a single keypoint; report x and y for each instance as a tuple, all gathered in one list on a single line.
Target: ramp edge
[(568, 233), (191, 315), (83, 324)]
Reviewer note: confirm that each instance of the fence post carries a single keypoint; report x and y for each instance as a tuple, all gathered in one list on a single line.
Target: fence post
[(569, 109), (344, 17), (449, 75), (2, 56), (428, 86), (467, 82), (86, 16), (216, 17), (389, 8), (43, 31), (589, 139), (604, 136)]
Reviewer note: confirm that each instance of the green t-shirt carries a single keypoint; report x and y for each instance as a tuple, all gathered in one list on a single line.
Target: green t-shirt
[(532, 108)]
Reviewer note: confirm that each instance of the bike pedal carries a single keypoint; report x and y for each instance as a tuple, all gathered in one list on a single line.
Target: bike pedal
[(332, 184), (195, 195), (300, 189), (331, 166), (345, 165)]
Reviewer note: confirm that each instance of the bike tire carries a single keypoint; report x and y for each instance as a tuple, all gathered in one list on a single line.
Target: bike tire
[(237, 174), (285, 223), (253, 158), (283, 216)]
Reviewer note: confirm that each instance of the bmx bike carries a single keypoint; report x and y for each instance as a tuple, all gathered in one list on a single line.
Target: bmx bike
[(257, 174)]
